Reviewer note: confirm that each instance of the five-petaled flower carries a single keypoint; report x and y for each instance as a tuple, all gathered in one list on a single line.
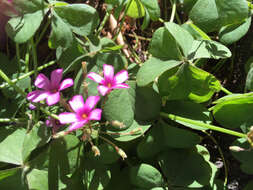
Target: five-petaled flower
[(109, 82), (84, 112), (50, 90)]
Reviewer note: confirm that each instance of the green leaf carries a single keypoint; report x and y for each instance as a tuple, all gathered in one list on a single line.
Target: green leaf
[(183, 38), (35, 138), (97, 179), (82, 19), (233, 111), (234, 32), (8, 172), (189, 82), (120, 105), (195, 31), (190, 110), (21, 29), (61, 34), (14, 181), (185, 168), (31, 6), (37, 179), (145, 176), (208, 49), (135, 9), (152, 69), (153, 140), (177, 138), (153, 8), (213, 14), (164, 46), (64, 159), (11, 145), (147, 104), (135, 131)]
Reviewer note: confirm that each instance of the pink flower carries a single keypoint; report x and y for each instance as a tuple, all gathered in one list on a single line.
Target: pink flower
[(84, 112), (109, 82), (50, 90)]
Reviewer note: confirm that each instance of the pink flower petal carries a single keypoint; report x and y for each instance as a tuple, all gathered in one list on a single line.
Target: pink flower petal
[(103, 90), (32, 107), (66, 83), (77, 125), (97, 78), (42, 82), (68, 117), (120, 86), (91, 103), (53, 98), (37, 95), (56, 77), (95, 114), (77, 103), (108, 72), (121, 76)]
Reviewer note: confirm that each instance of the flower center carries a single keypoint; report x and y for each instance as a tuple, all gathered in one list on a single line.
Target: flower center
[(53, 90), (109, 85), (84, 116)]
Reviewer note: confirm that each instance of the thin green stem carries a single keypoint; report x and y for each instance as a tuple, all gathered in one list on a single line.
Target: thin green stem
[(204, 125), (122, 20), (222, 156), (43, 32), (7, 120), (173, 11), (9, 81), (18, 57), (35, 60), (102, 23), (29, 73), (226, 91)]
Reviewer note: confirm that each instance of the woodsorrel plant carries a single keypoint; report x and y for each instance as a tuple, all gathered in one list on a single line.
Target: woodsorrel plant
[(126, 102)]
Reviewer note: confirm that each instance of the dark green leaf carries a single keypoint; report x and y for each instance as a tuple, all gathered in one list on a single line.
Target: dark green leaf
[(234, 32), (120, 105), (164, 46), (153, 68), (22, 28), (183, 38), (189, 82), (82, 19), (11, 145), (153, 8), (233, 111), (145, 176), (147, 104), (211, 15)]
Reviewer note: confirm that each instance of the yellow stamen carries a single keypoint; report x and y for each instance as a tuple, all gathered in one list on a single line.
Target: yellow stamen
[(84, 116)]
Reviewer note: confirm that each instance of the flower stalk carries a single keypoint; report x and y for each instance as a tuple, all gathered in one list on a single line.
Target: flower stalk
[(204, 125)]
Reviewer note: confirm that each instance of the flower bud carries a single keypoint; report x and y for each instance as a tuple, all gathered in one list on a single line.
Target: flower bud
[(121, 153), (119, 124), (236, 149), (60, 134), (95, 150)]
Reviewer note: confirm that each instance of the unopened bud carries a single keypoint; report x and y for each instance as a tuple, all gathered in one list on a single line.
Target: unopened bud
[(136, 131), (236, 149), (119, 124), (121, 153), (95, 150), (60, 134)]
